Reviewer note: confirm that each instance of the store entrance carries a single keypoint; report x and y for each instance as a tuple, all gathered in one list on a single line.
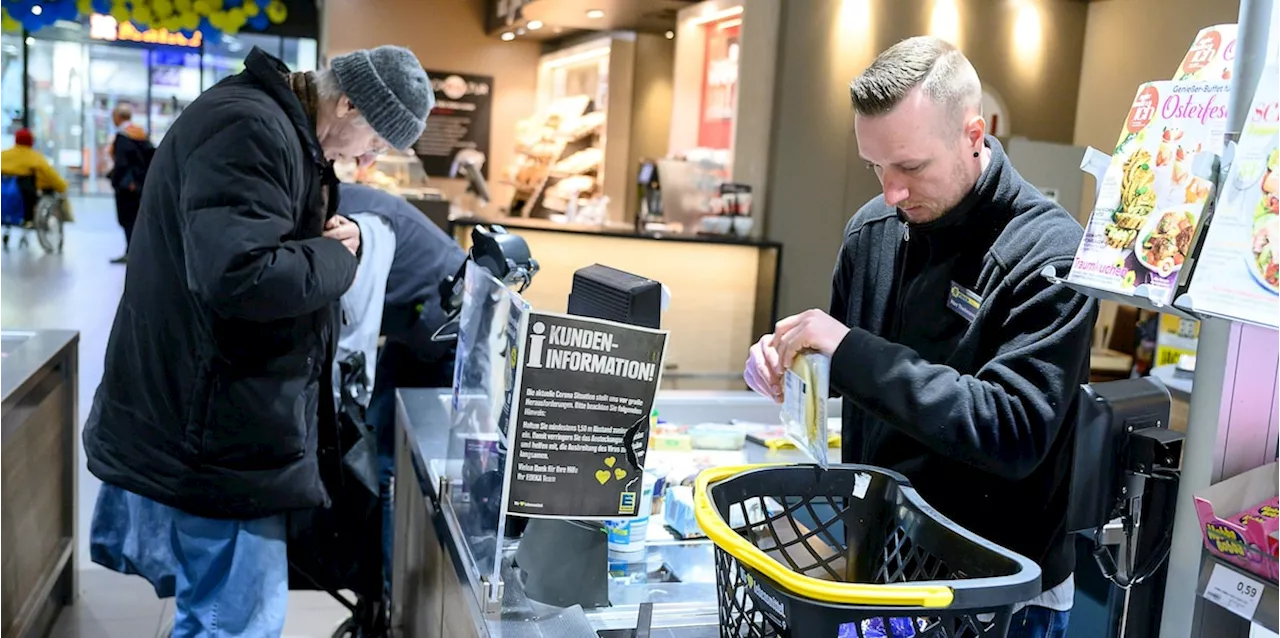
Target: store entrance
[(70, 108)]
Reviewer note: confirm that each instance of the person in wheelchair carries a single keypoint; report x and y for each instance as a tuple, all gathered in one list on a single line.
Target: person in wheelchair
[(26, 175)]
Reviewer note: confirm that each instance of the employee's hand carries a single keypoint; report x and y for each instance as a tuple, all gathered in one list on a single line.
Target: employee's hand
[(763, 373), (810, 330), (345, 231)]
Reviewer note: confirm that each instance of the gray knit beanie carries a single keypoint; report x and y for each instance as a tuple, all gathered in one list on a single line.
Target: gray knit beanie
[(390, 89)]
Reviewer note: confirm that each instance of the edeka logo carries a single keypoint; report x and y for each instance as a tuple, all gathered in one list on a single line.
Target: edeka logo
[(1192, 106), (1226, 540), (1144, 108)]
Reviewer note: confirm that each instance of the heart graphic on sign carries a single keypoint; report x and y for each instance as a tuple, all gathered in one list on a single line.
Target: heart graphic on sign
[(619, 473), (602, 476), (610, 461)]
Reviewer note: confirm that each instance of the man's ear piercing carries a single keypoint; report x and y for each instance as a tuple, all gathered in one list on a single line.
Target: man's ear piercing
[(975, 153)]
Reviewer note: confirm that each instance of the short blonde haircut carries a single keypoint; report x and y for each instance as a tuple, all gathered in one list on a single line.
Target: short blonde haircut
[(933, 64)]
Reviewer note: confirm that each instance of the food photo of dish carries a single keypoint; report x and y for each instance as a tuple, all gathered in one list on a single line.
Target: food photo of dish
[(1262, 260), (1266, 228), (1137, 200), (1166, 240)]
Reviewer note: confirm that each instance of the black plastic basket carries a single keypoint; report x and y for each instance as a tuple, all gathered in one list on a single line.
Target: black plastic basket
[(850, 552)]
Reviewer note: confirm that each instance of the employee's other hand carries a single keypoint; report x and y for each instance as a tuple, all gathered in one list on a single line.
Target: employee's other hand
[(812, 330), (764, 373), (345, 231)]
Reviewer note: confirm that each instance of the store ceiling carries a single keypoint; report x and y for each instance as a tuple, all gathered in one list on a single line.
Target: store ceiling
[(562, 17)]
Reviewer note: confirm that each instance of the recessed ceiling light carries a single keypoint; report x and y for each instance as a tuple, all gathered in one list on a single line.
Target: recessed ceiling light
[(534, 25), (508, 36), (37, 10), (671, 35), (595, 14)]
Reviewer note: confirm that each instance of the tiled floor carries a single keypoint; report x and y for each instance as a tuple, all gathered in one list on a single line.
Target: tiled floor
[(79, 290)]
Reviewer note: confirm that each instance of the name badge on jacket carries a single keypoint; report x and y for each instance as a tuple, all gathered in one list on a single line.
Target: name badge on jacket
[(963, 301)]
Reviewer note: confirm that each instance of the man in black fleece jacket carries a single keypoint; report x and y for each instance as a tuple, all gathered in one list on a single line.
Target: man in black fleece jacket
[(958, 363)]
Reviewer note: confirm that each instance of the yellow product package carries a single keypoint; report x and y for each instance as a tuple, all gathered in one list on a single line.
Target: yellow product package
[(804, 404)]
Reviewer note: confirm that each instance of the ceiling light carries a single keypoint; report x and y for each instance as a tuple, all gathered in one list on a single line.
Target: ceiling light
[(534, 25), (508, 36), (595, 14), (31, 41), (37, 10), (671, 35)]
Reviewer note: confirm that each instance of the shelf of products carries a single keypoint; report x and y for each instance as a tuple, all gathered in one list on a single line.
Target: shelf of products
[(559, 153)]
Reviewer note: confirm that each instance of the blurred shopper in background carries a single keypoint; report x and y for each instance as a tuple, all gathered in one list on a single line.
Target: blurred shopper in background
[(131, 154), (958, 363), (397, 294), (215, 417), (23, 160)]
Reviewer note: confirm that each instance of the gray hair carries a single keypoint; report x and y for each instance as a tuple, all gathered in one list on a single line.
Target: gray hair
[(944, 74), (329, 90)]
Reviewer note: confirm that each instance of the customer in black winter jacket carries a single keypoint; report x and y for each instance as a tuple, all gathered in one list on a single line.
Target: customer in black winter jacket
[(131, 154), (216, 416), (958, 363)]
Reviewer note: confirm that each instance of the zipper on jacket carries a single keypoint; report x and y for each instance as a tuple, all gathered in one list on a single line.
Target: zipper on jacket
[(901, 295)]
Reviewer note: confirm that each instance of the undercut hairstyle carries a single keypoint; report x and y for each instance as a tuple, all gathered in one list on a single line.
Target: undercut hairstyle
[(933, 64)]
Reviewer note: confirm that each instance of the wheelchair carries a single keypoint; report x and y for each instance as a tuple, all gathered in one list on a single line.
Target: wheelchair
[(26, 209)]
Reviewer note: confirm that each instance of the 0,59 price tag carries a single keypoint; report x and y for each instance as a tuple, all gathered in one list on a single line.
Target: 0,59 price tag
[(1236, 592)]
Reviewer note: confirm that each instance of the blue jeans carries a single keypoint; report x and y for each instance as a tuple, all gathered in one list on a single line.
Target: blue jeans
[(1039, 622), (228, 578), (381, 416)]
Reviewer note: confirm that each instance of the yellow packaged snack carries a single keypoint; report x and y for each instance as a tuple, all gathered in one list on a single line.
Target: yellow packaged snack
[(804, 404)]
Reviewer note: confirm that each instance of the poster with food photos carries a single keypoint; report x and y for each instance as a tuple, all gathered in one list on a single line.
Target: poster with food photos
[(1150, 204)]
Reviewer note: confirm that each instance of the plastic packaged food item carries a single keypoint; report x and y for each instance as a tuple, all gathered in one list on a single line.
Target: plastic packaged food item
[(804, 404), (716, 436)]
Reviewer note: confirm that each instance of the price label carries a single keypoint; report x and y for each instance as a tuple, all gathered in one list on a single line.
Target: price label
[(1234, 591)]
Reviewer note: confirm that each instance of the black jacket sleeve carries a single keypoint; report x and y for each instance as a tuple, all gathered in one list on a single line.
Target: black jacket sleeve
[(1004, 418), (238, 210)]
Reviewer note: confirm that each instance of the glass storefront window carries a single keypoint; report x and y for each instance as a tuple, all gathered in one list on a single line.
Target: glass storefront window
[(77, 76), (227, 57), (56, 84), (10, 87)]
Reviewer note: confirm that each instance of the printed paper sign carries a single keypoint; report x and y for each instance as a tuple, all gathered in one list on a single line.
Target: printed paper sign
[(586, 390), (1234, 591)]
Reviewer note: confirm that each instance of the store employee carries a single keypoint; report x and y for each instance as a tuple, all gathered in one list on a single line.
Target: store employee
[(958, 363)]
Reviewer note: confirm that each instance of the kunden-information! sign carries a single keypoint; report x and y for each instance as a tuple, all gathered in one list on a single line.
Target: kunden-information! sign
[(584, 395)]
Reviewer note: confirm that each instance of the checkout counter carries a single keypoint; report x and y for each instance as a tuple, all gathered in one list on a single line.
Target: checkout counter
[(441, 581), (39, 389), (724, 289)]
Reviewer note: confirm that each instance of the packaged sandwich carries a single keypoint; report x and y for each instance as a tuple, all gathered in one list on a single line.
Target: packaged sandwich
[(804, 404)]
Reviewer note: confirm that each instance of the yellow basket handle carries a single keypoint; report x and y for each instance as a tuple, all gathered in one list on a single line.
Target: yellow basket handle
[(932, 596)]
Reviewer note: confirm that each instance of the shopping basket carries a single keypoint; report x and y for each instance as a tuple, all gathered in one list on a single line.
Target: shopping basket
[(850, 552)]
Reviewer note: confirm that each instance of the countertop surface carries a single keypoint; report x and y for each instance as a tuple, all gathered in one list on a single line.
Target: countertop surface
[(24, 352), (684, 607), (609, 231)]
